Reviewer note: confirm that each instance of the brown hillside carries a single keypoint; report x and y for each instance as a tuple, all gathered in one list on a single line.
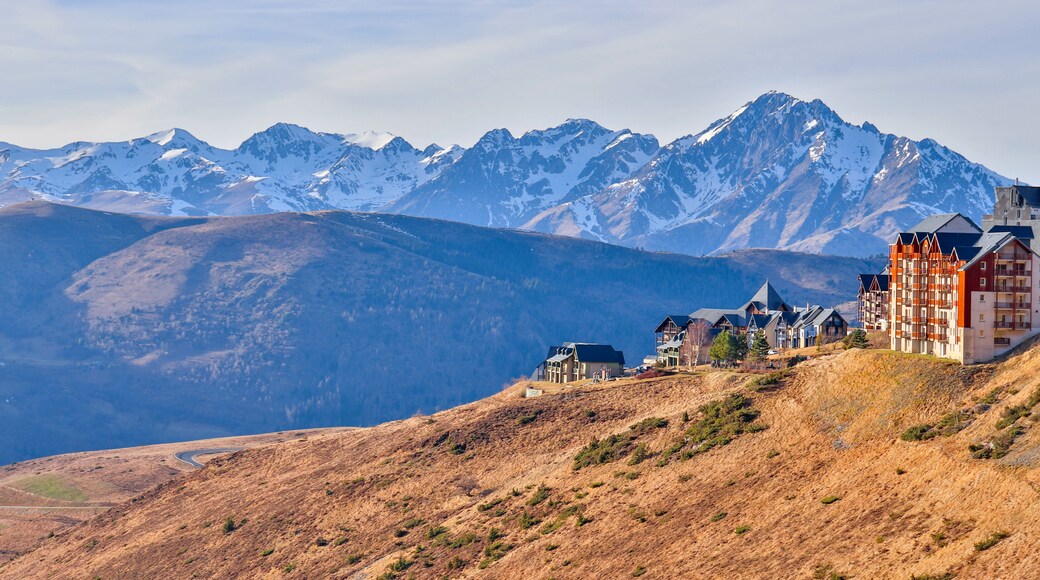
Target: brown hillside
[(490, 490)]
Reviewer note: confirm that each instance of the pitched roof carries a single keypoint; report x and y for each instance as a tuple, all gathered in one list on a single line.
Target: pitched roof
[(882, 281), (767, 298), (680, 320), (935, 222), (867, 281), (1028, 192), (601, 353), (1024, 232), (948, 241), (713, 315)]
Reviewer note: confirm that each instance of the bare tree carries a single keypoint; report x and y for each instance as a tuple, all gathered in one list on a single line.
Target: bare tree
[(698, 334)]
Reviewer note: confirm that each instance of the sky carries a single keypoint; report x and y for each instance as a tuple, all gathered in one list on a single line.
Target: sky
[(965, 73)]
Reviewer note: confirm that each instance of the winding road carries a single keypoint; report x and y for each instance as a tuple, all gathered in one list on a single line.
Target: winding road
[(189, 456)]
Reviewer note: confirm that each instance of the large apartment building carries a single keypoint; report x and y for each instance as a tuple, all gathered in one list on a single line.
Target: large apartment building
[(1016, 206), (873, 300), (959, 292)]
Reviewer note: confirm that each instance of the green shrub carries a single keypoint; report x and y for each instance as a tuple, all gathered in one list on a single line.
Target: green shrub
[(992, 397), (1012, 414), (998, 446), (718, 517), (540, 495), (766, 382), (457, 448), (229, 525), (918, 433), (527, 520), (639, 571), (616, 446), (267, 552), (354, 558), (943, 576), (720, 422), (993, 539), (830, 499), (740, 530), (856, 339), (486, 506), (462, 540), (638, 455), (436, 531)]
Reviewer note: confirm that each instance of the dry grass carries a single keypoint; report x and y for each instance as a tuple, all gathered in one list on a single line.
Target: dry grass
[(44, 497), (513, 506)]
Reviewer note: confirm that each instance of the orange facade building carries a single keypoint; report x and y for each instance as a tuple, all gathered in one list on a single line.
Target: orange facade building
[(961, 293)]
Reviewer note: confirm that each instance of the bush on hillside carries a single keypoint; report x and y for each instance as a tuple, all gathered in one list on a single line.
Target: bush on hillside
[(719, 423), (616, 446), (856, 339)]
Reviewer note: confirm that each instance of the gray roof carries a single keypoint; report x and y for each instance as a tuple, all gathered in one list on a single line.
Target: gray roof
[(1023, 232), (585, 352), (712, 315), (1030, 193), (937, 221), (601, 353), (989, 242), (767, 298)]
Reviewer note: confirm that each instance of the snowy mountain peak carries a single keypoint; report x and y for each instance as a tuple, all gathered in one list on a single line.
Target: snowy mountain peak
[(778, 172), (370, 139)]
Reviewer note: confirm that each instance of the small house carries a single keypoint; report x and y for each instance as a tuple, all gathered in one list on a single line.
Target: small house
[(575, 361)]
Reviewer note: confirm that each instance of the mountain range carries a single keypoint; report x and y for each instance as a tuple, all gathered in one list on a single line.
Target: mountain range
[(139, 329), (779, 172)]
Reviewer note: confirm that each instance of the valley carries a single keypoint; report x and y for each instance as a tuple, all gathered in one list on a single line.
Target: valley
[(119, 330)]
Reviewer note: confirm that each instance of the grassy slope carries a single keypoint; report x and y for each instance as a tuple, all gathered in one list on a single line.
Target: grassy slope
[(360, 501), (50, 494)]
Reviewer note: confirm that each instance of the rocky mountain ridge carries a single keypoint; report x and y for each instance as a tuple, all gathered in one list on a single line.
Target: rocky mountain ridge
[(779, 172)]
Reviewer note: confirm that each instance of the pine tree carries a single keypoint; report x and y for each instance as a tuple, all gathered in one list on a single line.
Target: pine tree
[(759, 347), (856, 339), (722, 347)]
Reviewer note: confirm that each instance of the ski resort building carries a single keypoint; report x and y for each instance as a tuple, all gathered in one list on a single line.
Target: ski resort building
[(873, 300), (683, 340), (581, 360), (959, 292), (1016, 208)]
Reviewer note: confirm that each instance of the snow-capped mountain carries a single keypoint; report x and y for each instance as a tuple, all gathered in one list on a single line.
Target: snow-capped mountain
[(284, 168), (779, 173), (503, 181)]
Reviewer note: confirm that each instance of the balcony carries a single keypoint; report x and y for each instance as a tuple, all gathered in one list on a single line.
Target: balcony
[(1012, 324), (1010, 288), (1012, 305)]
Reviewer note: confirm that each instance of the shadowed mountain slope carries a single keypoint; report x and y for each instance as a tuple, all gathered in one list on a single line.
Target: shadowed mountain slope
[(129, 330)]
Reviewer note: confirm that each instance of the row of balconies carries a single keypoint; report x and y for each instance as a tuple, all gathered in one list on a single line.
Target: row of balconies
[(1012, 324)]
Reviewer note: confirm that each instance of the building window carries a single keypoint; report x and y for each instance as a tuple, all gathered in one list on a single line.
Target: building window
[(983, 266), (982, 333), (982, 297), (983, 282)]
